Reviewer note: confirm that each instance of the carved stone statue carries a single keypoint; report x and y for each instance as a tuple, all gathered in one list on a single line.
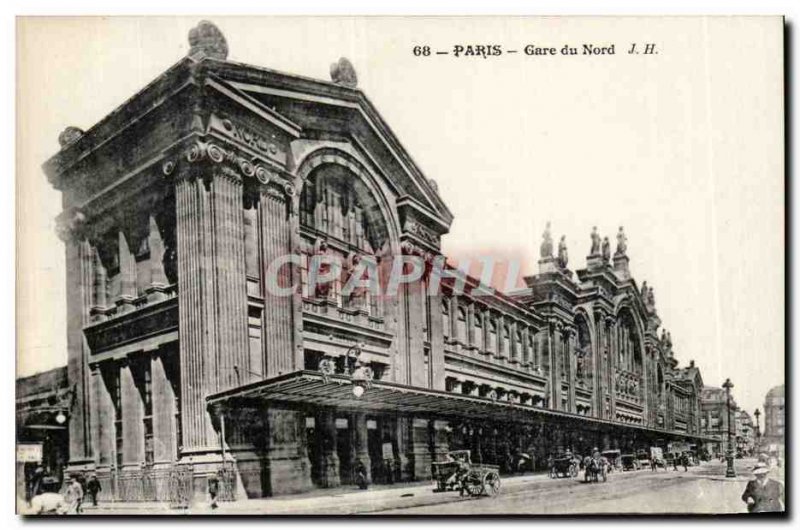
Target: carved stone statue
[(651, 299), (69, 135), (622, 243), (563, 258), (546, 249), (580, 363), (207, 40), (644, 291), (343, 73), (595, 250), (606, 249)]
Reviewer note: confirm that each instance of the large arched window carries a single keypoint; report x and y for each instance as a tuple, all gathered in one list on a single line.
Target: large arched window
[(446, 318), (584, 353), (461, 326), (492, 345), (478, 329), (341, 218), (336, 203)]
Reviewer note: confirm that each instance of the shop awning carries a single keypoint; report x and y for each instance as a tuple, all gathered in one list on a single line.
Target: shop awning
[(313, 388)]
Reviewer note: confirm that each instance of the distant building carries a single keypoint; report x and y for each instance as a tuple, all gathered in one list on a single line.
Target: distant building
[(745, 432), (42, 414), (714, 417), (774, 416)]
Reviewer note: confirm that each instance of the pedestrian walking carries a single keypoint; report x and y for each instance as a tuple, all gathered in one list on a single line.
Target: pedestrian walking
[(75, 496), (685, 461), (763, 494), (93, 488)]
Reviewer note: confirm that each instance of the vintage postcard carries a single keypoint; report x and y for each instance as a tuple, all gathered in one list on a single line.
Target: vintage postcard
[(400, 265)]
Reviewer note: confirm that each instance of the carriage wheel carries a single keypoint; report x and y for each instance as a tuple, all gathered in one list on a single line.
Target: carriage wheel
[(491, 483), (474, 485)]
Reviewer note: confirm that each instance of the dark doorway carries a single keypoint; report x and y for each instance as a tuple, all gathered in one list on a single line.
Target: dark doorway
[(344, 448)]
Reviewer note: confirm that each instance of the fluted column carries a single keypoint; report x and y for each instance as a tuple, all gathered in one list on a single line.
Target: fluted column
[(102, 419), (132, 418), (278, 319), (163, 400), (361, 445), (80, 280), (212, 292)]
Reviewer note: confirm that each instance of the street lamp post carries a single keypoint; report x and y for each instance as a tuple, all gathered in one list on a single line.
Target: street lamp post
[(730, 472), (757, 414)]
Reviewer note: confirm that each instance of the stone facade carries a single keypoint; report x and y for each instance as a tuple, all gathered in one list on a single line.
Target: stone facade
[(775, 416), (178, 205)]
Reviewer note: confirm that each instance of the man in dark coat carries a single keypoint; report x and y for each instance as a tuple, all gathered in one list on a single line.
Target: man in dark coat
[(93, 488), (763, 494)]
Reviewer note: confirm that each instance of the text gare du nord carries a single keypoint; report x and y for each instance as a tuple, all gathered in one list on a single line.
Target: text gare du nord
[(495, 50)]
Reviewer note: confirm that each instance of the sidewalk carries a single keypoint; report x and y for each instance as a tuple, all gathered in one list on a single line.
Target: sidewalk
[(341, 500)]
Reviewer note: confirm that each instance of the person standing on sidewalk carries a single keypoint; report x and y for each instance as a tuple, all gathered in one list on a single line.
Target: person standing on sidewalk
[(75, 496), (763, 494), (93, 488)]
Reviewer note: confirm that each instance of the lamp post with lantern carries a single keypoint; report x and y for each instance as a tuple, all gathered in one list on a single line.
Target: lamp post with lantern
[(730, 472)]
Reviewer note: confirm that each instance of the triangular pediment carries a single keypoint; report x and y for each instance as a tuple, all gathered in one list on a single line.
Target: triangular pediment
[(326, 109)]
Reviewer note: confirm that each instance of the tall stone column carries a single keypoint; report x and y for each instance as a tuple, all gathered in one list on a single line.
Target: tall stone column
[(102, 420), (279, 312), (132, 418), (212, 290), (598, 366), (401, 430), (329, 458), (440, 439), (80, 280), (419, 449), (554, 354), (361, 443), (570, 343), (612, 368), (286, 460), (165, 444)]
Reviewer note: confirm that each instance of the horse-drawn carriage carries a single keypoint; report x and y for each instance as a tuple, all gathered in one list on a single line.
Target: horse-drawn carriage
[(565, 465), (613, 456), (629, 462), (457, 472)]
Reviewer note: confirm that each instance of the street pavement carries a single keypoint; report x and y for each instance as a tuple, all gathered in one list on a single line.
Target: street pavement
[(702, 489)]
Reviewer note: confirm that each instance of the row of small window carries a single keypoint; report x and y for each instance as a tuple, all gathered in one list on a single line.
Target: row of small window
[(457, 327)]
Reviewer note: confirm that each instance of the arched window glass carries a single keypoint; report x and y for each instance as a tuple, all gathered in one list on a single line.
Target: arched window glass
[(446, 318), (462, 325), (492, 346), (478, 330)]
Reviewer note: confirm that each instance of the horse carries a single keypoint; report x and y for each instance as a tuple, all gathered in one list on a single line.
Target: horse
[(594, 469)]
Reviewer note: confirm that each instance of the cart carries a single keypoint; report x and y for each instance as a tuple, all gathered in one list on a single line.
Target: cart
[(613, 457), (629, 462), (476, 479), (564, 466)]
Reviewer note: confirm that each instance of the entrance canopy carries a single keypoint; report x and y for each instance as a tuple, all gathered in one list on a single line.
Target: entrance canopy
[(313, 388)]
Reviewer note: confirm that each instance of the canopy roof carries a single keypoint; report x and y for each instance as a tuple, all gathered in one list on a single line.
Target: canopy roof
[(314, 388)]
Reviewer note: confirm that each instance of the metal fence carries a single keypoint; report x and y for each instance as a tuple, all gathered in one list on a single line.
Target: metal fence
[(174, 484)]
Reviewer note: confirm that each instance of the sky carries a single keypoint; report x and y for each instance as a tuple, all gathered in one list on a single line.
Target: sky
[(684, 148)]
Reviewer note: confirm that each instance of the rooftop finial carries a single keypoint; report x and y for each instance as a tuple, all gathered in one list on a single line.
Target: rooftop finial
[(343, 73), (206, 40)]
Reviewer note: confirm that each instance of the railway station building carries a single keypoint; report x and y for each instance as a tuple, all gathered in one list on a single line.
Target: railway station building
[(202, 342)]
